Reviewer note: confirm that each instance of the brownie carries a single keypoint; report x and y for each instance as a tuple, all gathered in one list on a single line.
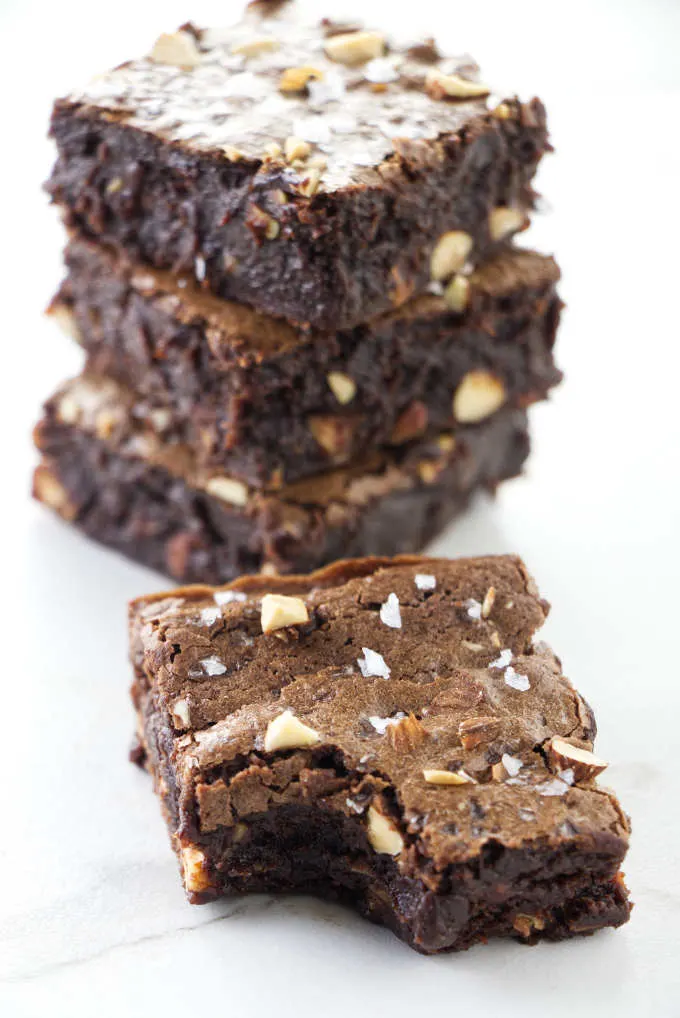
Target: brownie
[(146, 497), (270, 404), (320, 175), (387, 733)]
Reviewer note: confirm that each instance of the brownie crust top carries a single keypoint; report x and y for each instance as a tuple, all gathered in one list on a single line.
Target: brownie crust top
[(329, 102), (408, 667)]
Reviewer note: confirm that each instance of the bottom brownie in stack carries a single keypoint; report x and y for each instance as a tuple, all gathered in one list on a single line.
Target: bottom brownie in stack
[(141, 492), (207, 441)]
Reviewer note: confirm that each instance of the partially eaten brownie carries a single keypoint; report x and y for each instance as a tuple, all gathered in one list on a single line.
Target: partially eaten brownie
[(387, 733)]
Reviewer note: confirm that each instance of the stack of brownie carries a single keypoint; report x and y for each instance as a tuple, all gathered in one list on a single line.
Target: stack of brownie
[(291, 267)]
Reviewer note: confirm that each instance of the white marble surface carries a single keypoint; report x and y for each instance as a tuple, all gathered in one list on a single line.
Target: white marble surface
[(92, 916)]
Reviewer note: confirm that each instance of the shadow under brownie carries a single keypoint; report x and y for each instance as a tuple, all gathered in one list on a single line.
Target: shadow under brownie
[(270, 404), (387, 733), (144, 495)]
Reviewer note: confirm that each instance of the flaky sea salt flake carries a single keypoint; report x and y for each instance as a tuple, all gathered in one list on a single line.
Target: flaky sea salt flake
[(373, 663), (503, 659), (229, 596), (245, 85), (213, 666), (330, 88), (554, 787), (512, 764), (382, 724), (390, 615), (341, 123), (209, 615), (380, 71), (515, 680), (313, 129), (474, 609), (425, 582)]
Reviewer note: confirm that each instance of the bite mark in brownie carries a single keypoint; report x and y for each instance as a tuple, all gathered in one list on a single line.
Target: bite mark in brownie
[(271, 405), (395, 767), (129, 488), (322, 203)]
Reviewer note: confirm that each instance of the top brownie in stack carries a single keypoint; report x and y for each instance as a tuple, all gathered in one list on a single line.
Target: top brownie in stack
[(316, 173)]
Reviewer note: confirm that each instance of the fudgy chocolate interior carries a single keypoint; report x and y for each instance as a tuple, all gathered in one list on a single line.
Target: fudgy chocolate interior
[(252, 394), (302, 846), (157, 515)]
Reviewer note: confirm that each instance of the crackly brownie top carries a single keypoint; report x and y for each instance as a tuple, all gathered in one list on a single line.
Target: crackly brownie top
[(405, 667), (329, 101), (237, 332)]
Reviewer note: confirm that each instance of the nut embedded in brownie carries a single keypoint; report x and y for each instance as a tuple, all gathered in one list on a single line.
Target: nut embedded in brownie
[(134, 489), (383, 732), (269, 404), (271, 153)]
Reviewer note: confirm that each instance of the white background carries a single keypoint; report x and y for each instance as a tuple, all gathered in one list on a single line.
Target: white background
[(92, 915)]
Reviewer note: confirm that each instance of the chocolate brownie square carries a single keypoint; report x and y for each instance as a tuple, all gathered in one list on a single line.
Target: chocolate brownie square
[(383, 732), (317, 172), (124, 484), (270, 404)]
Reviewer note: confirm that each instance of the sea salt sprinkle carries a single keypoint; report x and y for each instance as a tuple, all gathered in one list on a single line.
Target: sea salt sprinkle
[(382, 724), (340, 123), (245, 85), (424, 581), (474, 609), (361, 156), (314, 129), (554, 787), (229, 596), (330, 88), (515, 680), (503, 659), (512, 765), (373, 663), (558, 785), (209, 615), (213, 666), (381, 71), (390, 615)]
